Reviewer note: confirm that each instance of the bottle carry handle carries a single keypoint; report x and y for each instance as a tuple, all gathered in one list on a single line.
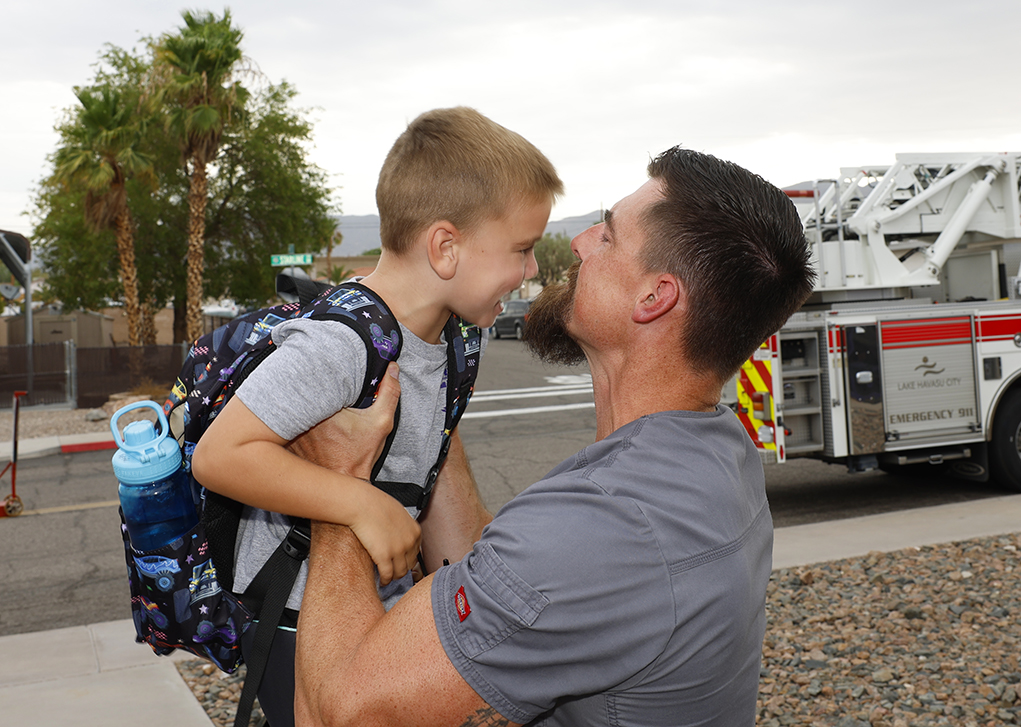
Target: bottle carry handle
[(149, 448)]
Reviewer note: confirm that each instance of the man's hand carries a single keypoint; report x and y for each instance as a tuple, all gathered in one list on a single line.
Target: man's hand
[(350, 442), (352, 439)]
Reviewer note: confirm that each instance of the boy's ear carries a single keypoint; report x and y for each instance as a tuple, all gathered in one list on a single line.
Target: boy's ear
[(664, 293), (442, 248)]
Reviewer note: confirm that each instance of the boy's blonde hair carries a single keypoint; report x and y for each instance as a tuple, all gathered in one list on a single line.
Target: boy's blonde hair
[(457, 165)]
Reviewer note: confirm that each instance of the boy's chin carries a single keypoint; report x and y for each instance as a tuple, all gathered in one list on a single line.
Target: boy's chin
[(479, 321)]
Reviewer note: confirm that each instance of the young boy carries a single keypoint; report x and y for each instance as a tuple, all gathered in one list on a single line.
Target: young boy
[(462, 202)]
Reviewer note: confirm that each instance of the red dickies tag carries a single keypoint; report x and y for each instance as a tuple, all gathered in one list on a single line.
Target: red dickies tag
[(461, 604)]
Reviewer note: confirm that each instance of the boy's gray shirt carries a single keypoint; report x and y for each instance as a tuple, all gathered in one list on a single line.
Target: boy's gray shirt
[(318, 369)]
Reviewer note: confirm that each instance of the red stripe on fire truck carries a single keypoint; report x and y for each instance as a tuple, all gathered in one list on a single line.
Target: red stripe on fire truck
[(929, 332), (998, 328)]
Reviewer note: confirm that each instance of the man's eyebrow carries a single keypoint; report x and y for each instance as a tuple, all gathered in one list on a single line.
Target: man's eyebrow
[(608, 219)]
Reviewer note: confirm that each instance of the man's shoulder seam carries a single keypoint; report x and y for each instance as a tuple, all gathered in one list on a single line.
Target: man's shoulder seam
[(721, 551), (610, 459)]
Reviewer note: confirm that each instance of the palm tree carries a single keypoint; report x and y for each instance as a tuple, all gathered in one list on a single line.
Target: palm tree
[(196, 68), (102, 154)]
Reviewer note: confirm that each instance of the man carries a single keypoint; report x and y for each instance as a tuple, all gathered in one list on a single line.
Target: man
[(628, 586)]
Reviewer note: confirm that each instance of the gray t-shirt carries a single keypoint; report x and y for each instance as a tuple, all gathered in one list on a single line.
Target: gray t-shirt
[(625, 588), (318, 370)]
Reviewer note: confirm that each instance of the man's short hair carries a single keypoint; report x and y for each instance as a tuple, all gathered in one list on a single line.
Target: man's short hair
[(738, 246), (457, 165)]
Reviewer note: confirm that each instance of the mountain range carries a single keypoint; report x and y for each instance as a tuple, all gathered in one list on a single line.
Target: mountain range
[(361, 232)]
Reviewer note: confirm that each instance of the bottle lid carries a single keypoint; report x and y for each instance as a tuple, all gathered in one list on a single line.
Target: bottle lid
[(143, 453)]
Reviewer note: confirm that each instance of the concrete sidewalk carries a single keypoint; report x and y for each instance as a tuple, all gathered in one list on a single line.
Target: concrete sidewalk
[(803, 544), (92, 676), (88, 676), (64, 444), (97, 676)]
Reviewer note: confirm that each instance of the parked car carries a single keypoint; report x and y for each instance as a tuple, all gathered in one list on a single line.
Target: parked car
[(511, 321)]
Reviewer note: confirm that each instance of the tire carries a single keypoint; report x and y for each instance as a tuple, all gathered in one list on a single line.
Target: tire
[(165, 580), (1005, 446), (518, 331), (13, 506), (159, 619), (496, 332)]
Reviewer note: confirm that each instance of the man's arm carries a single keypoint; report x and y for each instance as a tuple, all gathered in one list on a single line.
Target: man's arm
[(356, 665), (454, 519)]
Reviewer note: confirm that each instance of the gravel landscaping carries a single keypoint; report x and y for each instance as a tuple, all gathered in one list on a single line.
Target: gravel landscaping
[(217, 692), (34, 423), (923, 636)]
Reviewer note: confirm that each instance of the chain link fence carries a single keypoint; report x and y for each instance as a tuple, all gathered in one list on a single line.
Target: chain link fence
[(62, 374)]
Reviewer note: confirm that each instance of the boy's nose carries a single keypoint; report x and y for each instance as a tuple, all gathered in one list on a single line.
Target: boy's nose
[(531, 265)]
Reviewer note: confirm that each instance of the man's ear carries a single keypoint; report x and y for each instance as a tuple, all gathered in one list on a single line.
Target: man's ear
[(664, 294), (442, 249)]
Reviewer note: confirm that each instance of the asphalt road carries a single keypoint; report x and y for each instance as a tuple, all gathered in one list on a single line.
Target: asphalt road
[(62, 563)]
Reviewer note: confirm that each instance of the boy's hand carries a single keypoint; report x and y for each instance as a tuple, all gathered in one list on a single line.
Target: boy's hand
[(351, 440), (389, 534)]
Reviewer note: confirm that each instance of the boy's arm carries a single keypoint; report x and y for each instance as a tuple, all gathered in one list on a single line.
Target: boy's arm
[(242, 458), (455, 516)]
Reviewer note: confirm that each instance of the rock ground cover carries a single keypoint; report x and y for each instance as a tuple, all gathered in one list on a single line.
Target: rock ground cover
[(923, 636), (35, 423)]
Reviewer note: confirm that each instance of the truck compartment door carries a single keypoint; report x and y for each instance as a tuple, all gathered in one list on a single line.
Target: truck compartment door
[(930, 390), (864, 389)]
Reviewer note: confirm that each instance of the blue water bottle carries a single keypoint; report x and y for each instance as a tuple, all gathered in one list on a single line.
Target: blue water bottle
[(155, 491)]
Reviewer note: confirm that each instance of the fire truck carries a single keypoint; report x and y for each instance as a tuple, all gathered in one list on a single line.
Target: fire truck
[(908, 353)]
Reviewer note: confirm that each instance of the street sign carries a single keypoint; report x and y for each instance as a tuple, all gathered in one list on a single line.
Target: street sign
[(283, 261)]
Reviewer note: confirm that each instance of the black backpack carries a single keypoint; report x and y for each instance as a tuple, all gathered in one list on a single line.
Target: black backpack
[(182, 593)]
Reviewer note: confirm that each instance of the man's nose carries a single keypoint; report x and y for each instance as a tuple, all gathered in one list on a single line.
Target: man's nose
[(582, 243)]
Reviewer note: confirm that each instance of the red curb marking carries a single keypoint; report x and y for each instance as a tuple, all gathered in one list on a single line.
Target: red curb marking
[(87, 447)]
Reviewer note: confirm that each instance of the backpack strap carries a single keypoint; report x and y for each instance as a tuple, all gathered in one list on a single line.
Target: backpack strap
[(269, 590), (463, 352), (464, 346), (267, 594), (272, 584)]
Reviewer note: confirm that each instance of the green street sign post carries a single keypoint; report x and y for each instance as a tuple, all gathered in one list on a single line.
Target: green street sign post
[(285, 261)]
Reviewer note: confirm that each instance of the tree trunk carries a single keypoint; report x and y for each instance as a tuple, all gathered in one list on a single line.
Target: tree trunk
[(196, 248), (147, 325), (180, 320), (129, 275)]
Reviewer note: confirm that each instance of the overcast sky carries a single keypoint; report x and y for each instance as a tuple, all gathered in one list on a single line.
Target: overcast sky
[(788, 89)]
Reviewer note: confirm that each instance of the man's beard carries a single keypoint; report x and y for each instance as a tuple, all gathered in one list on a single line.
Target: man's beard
[(546, 333)]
